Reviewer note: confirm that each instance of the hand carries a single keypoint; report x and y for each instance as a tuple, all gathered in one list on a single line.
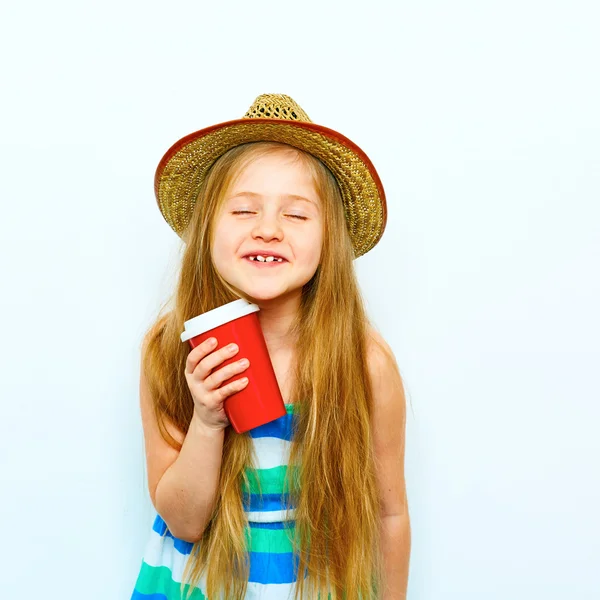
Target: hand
[(204, 383)]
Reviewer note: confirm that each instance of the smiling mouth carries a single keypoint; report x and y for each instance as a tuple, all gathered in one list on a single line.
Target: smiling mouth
[(265, 265)]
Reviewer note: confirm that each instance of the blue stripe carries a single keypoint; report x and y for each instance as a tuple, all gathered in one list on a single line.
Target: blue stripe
[(279, 428), (138, 596), (159, 525), (266, 502), (268, 567)]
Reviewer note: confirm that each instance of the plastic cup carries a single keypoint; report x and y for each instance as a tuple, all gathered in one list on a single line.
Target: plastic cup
[(260, 401)]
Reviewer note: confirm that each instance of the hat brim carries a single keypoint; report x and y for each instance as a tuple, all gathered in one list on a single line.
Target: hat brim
[(185, 164)]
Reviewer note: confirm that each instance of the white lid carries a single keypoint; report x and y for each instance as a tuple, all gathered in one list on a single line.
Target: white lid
[(217, 316)]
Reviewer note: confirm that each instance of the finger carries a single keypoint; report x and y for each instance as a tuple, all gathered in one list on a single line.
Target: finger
[(198, 353), (214, 359), (232, 388), (214, 380)]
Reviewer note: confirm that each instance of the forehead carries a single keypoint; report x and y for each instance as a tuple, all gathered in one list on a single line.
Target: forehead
[(278, 175)]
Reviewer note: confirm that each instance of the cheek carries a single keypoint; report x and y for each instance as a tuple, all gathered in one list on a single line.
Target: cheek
[(314, 248), (223, 236), (225, 246), (311, 255)]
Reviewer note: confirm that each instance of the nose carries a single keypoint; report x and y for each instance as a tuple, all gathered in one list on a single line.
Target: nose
[(267, 227)]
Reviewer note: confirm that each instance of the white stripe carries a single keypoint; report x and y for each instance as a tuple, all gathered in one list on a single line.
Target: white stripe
[(273, 591), (271, 452), (269, 591), (269, 516)]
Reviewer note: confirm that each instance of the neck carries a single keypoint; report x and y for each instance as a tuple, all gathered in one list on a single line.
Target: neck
[(276, 317)]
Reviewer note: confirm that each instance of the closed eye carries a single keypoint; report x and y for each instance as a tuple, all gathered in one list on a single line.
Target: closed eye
[(240, 212)]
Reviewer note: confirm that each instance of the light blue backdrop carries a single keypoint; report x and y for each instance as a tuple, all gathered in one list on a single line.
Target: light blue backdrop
[(482, 119)]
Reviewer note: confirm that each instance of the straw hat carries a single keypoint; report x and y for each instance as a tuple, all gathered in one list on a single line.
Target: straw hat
[(274, 117)]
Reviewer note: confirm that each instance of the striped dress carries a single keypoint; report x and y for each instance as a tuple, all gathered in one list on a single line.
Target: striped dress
[(273, 569)]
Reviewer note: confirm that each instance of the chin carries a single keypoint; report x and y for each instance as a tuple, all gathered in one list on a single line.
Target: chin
[(265, 295)]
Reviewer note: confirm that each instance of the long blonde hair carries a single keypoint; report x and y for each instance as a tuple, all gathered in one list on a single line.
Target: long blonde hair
[(337, 532)]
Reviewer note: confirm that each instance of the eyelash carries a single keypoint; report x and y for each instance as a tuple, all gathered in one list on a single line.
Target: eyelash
[(239, 212)]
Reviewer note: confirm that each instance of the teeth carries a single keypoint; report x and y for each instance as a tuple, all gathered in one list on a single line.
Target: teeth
[(260, 258)]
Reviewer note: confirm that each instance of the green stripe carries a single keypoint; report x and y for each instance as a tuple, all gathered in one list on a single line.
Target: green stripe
[(159, 580), (274, 541), (272, 481)]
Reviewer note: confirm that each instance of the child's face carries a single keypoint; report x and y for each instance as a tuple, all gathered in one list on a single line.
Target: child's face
[(272, 224)]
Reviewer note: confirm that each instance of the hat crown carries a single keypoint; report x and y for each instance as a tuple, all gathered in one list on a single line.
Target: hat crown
[(276, 106)]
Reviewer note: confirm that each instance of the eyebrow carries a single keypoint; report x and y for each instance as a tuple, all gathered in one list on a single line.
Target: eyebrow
[(290, 196)]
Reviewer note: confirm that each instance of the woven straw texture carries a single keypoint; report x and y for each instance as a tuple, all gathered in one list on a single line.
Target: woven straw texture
[(274, 117)]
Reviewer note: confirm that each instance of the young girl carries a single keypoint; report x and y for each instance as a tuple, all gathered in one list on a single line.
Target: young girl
[(313, 504)]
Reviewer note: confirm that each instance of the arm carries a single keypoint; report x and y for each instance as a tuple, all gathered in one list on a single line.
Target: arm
[(182, 484), (396, 541), (389, 424), (185, 495)]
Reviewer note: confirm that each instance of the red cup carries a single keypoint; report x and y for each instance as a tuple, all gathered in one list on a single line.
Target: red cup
[(260, 401)]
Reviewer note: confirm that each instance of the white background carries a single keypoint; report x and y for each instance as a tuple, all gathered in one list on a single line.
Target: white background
[(482, 119)]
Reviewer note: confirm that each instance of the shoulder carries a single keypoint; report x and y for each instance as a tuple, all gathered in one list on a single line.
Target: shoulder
[(380, 356), (384, 373)]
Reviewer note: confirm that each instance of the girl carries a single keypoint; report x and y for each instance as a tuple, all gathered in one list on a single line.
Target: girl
[(313, 504)]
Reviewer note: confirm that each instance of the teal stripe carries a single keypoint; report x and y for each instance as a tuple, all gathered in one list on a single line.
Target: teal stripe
[(270, 481), (159, 580), (270, 540)]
